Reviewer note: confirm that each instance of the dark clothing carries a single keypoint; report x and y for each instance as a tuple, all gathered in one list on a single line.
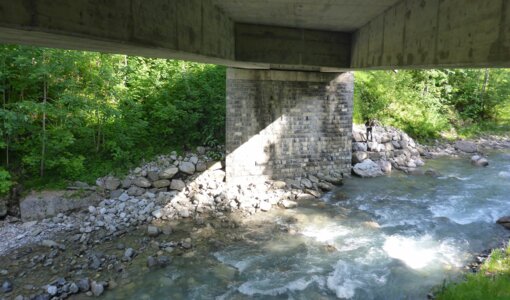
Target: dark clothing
[(369, 125)]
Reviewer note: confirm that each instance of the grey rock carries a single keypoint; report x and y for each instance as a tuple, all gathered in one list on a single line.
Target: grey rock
[(479, 161), (187, 168), (201, 150), (193, 160), (46, 204), (73, 288), (306, 183), (116, 194), (359, 147), (358, 136), (124, 197), (325, 186), (83, 285), (465, 146), (126, 183), (368, 168), (358, 157), (152, 175), (385, 166), (152, 231), (504, 221), (7, 286), (288, 204), (49, 244), (111, 183), (161, 183), (129, 253), (52, 290), (97, 288), (158, 214), (168, 173), (142, 182), (151, 262), (177, 185), (201, 166), (135, 191)]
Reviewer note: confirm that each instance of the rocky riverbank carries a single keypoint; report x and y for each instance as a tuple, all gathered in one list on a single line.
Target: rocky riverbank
[(172, 188), (392, 149)]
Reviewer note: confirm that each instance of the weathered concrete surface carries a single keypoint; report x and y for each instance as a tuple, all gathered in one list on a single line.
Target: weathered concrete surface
[(283, 124), (185, 29), (436, 33), (284, 48), (312, 35), (329, 15)]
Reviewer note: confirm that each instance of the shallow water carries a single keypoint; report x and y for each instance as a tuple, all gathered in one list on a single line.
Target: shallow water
[(385, 238)]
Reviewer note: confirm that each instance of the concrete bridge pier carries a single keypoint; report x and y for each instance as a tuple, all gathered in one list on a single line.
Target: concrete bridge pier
[(285, 124)]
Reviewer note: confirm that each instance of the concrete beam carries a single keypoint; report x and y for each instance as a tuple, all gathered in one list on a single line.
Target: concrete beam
[(184, 29), (436, 33), (292, 48)]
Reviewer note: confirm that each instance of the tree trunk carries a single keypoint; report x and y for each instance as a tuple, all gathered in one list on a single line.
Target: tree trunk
[(43, 150), (4, 102), (482, 94)]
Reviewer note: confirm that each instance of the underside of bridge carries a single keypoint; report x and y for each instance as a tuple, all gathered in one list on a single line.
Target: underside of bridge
[(300, 38)]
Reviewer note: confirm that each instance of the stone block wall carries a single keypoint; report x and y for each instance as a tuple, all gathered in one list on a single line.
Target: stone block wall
[(285, 124)]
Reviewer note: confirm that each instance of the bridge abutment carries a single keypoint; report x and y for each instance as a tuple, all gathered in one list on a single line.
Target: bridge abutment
[(285, 124)]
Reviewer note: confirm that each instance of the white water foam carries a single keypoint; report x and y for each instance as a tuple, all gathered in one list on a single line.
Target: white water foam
[(348, 277), (420, 252), (327, 233), (454, 209), (263, 287)]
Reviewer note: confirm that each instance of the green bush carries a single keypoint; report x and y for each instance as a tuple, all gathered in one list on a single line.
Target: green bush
[(5, 182)]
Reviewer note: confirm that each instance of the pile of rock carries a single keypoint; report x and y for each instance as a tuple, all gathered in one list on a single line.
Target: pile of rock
[(388, 149), (166, 173), (173, 187)]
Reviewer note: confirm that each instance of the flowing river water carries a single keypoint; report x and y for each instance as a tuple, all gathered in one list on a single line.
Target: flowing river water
[(394, 237)]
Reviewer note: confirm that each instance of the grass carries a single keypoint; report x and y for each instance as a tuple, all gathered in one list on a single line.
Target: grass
[(491, 282)]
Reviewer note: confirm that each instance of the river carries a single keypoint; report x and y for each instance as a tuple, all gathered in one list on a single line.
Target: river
[(394, 237)]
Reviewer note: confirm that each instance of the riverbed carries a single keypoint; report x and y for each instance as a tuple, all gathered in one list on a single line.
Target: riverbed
[(394, 237)]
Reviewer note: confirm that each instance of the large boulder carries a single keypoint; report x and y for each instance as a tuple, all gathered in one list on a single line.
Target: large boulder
[(465, 146), (41, 205), (187, 168), (142, 182), (161, 183), (385, 166), (111, 183), (358, 136), (168, 173), (359, 147), (358, 157), (479, 161), (367, 168), (177, 185), (504, 221)]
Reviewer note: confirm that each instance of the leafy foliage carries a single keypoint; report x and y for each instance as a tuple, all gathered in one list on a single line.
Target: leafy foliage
[(427, 103), (5, 182), (69, 115)]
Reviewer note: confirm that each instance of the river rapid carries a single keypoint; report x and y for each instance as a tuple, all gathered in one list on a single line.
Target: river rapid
[(394, 237)]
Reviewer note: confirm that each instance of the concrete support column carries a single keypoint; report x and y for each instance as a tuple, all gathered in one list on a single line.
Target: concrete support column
[(285, 124)]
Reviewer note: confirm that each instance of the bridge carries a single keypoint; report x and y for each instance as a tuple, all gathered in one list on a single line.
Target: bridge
[(289, 89)]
